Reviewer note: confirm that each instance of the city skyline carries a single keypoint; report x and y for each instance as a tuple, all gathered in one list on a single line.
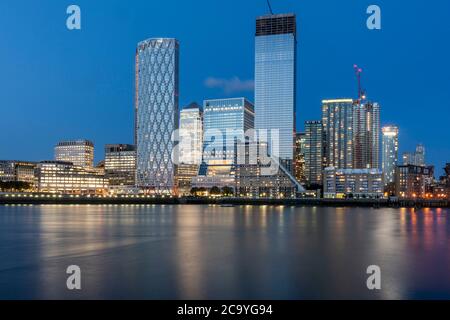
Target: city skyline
[(437, 153)]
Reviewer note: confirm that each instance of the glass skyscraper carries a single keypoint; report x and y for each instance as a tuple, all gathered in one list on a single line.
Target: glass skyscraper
[(389, 153), (191, 134), (313, 152), (337, 121), (227, 119), (156, 104), (275, 80), (366, 130)]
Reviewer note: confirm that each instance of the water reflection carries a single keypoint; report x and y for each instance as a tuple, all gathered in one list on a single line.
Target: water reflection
[(201, 252)]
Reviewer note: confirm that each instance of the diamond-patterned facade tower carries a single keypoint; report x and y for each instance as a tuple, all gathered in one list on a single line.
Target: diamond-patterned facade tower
[(156, 106)]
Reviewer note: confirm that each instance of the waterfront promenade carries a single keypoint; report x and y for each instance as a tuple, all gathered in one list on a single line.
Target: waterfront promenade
[(40, 198)]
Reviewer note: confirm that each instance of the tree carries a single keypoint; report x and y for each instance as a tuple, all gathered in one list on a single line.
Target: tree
[(227, 191), (215, 191), (14, 186), (194, 191)]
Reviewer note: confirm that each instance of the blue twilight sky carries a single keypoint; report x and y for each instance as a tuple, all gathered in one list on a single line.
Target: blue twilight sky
[(59, 84)]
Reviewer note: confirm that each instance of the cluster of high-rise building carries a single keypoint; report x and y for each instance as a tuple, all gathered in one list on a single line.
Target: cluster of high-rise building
[(231, 144)]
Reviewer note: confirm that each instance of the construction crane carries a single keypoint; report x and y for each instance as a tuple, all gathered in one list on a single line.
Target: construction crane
[(270, 7), (361, 93)]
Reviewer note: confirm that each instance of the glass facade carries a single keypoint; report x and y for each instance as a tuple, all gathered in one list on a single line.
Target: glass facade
[(275, 80), (64, 177), (23, 171), (352, 183), (79, 152), (366, 130), (389, 153), (227, 119), (156, 105), (191, 135), (337, 121), (416, 158), (120, 164), (313, 152), (300, 140)]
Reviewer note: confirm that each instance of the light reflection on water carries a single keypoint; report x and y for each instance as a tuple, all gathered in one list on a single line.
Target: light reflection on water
[(201, 252)]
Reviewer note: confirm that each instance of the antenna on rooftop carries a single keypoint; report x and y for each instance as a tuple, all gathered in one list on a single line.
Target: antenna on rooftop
[(270, 7)]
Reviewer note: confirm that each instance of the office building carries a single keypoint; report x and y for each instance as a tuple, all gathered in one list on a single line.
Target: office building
[(337, 122), (352, 183), (66, 178), (79, 152), (185, 174), (120, 164), (17, 171), (225, 123), (313, 152), (156, 104), (366, 130), (275, 82), (389, 153), (191, 135), (260, 176)]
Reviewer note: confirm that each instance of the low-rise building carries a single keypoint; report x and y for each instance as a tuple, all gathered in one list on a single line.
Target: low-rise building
[(352, 183), (185, 174), (17, 171), (261, 176), (64, 177), (411, 181)]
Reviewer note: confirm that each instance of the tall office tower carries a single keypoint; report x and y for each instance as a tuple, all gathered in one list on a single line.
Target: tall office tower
[(156, 105), (366, 130), (313, 152), (79, 152), (191, 135), (120, 164), (275, 81), (229, 118), (420, 155), (337, 122), (300, 140), (389, 153)]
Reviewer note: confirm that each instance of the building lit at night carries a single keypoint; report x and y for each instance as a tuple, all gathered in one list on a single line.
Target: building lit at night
[(156, 104), (352, 183), (337, 122), (120, 164), (389, 153), (313, 152), (66, 178), (275, 80), (79, 152)]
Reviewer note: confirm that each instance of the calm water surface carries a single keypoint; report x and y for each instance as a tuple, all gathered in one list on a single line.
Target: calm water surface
[(212, 252)]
